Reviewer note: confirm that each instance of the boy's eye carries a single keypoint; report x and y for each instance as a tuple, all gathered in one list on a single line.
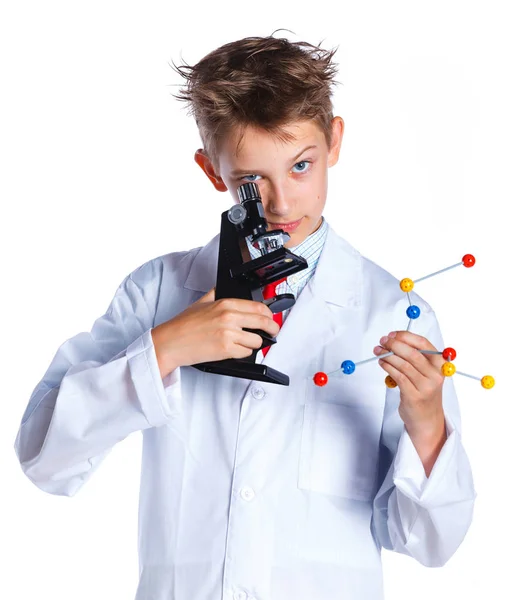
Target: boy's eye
[(302, 166)]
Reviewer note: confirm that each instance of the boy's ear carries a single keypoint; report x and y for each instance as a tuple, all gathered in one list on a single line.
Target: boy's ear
[(202, 159), (337, 131)]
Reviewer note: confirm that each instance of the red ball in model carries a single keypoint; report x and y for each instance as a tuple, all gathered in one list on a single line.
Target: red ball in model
[(468, 260), (449, 354), (320, 379)]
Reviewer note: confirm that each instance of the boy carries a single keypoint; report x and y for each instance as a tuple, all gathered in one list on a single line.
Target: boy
[(251, 490)]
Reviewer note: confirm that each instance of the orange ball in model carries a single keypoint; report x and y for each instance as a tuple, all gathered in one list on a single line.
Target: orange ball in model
[(389, 382)]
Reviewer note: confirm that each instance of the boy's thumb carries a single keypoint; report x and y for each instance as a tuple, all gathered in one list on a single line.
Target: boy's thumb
[(208, 297)]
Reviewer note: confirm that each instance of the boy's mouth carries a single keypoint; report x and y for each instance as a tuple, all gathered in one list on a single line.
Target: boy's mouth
[(286, 226)]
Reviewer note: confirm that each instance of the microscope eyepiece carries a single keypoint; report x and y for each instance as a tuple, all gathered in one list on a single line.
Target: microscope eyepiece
[(248, 191)]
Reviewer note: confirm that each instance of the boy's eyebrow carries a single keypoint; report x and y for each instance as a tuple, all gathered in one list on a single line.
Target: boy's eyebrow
[(244, 171)]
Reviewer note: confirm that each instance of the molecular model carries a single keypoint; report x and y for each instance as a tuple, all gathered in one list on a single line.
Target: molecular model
[(413, 312)]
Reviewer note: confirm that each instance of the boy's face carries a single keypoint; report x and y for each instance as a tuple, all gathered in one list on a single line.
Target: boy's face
[(292, 176)]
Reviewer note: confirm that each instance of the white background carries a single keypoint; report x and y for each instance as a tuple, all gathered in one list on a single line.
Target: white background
[(97, 177)]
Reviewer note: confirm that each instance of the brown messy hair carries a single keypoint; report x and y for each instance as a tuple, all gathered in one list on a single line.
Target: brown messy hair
[(265, 82)]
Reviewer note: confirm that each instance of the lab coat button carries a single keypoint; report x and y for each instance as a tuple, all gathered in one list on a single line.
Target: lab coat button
[(258, 393), (247, 494), (240, 595)]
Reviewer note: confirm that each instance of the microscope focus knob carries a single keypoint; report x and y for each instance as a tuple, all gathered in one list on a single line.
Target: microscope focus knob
[(280, 302), (237, 214)]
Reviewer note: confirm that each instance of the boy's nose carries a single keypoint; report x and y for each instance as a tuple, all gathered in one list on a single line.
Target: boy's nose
[(276, 203)]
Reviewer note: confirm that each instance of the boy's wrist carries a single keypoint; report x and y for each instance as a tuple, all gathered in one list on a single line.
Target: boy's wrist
[(159, 337), (428, 443)]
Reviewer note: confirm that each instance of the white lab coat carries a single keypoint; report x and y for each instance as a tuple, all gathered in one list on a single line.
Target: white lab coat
[(252, 490)]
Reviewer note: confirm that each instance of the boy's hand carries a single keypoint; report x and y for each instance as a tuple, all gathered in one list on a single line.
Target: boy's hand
[(420, 381), (210, 330)]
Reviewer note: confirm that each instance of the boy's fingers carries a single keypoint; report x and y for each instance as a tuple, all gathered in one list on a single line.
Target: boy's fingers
[(409, 353), (404, 341), (246, 306), (414, 340)]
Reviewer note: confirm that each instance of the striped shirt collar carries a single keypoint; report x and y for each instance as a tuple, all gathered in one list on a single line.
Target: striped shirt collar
[(310, 249)]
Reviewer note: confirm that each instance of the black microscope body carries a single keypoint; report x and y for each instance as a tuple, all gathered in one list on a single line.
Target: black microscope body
[(239, 276)]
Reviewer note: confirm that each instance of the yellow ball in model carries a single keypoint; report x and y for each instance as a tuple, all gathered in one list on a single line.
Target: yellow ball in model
[(406, 284), (448, 369), (487, 382)]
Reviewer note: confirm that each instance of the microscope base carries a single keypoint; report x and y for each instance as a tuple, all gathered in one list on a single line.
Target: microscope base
[(244, 369)]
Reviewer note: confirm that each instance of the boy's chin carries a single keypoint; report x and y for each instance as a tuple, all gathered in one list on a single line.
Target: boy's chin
[(295, 239)]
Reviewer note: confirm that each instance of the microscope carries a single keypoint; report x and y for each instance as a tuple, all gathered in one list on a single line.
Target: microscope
[(240, 277)]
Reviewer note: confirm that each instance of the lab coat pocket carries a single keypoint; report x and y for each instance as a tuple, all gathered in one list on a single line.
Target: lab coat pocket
[(339, 449)]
